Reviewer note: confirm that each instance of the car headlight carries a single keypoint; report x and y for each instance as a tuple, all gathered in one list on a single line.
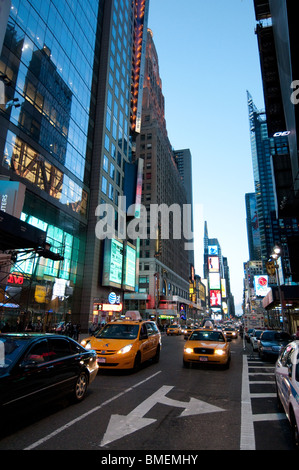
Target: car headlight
[(188, 350), (219, 352), (87, 344), (125, 349)]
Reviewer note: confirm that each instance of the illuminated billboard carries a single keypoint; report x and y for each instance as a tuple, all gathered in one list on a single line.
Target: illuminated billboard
[(113, 263), (261, 285), (212, 250), (213, 264), (223, 288), (214, 281), (130, 267), (215, 298)]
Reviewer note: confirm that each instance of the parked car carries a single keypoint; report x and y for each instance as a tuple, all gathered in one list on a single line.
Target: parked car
[(271, 341), (207, 347), (255, 335), (35, 366), (287, 385), (125, 344), (247, 334)]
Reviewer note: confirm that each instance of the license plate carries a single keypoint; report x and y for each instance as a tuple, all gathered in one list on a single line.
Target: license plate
[(203, 359), (101, 359)]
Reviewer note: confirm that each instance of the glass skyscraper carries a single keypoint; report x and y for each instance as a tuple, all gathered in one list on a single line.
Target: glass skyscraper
[(272, 230), (65, 133)]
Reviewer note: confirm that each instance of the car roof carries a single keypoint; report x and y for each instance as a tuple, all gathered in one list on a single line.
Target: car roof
[(28, 336)]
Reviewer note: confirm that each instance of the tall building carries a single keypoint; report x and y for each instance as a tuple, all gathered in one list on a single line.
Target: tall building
[(164, 268), (253, 229), (110, 263), (278, 35), (73, 78), (216, 272), (273, 230), (183, 159)]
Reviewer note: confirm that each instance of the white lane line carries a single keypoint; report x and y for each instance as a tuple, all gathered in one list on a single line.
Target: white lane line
[(76, 420), (269, 417), (247, 441), (263, 395)]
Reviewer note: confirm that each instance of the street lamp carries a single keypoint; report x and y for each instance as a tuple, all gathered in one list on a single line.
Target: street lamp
[(274, 257)]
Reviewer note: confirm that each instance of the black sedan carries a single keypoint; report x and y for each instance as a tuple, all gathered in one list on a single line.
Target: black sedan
[(270, 343), (35, 366)]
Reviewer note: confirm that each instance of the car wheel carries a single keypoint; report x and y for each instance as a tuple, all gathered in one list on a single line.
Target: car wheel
[(228, 363), (186, 364), (137, 362), (80, 387), (156, 357), (295, 431)]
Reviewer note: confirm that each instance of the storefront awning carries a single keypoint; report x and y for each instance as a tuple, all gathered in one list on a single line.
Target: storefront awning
[(16, 234), (290, 296)]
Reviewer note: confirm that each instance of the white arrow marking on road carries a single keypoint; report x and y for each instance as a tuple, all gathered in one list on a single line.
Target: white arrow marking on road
[(120, 426)]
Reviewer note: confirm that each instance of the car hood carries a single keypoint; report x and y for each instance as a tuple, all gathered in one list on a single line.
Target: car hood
[(205, 344), (109, 343)]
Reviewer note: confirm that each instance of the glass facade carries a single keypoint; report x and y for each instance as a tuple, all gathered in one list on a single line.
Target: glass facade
[(49, 61), (117, 142)]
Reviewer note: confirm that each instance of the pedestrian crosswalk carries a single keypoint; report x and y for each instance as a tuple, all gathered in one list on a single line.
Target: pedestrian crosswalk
[(259, 399)]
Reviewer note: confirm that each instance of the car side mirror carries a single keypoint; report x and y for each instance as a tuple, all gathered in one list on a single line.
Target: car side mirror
[(30, 364)]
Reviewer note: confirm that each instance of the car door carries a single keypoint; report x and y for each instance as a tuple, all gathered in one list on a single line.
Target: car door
[(144, 343), (285, 380), (65, 364), (151, 339), (31, 376)]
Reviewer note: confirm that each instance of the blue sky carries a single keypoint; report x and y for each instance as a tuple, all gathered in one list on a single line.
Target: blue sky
[(208, 58)]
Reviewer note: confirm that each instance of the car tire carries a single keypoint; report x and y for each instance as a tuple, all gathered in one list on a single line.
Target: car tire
[(80, 387), (137, 362), (156, 357), (186, 364)]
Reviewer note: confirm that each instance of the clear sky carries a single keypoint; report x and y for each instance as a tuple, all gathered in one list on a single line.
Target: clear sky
[(208, 58)]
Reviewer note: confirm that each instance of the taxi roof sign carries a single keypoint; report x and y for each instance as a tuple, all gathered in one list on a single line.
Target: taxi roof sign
[(133, 315)]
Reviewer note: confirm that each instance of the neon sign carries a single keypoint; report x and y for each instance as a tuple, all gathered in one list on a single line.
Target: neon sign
[(15, 279), (281, 134)]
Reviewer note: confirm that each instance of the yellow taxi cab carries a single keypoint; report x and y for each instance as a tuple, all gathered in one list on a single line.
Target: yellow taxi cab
[(207, 346), (230, 332), (173, 330), (125, 344)]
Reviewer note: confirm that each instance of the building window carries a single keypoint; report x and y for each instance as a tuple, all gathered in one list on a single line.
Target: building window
[(104, 185)]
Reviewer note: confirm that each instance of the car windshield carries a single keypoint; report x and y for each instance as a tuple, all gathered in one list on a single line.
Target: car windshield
[(116, 331), (276, 336), (10, 348), (207, 336)]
